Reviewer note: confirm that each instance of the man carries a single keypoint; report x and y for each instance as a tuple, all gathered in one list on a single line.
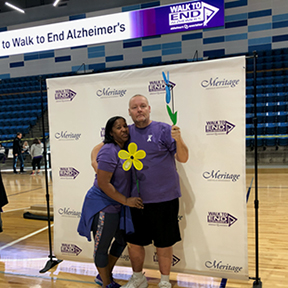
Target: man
[(17, 153), (159, 190)]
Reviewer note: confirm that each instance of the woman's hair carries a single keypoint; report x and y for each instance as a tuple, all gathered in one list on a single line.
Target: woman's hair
[(36, 141), (108, 129)]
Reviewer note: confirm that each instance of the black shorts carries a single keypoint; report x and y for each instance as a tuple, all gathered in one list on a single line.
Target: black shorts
[(157, 223)]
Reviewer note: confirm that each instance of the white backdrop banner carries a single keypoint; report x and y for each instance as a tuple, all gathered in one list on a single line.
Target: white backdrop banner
[(210, 100)]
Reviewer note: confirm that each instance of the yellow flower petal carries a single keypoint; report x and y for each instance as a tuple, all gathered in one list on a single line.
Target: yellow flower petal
[(137, 164), (127, 164), (140, 154), (132, 148), (123, 154)]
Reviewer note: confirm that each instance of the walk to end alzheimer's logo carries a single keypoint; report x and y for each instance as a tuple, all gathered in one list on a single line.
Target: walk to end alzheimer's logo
[(218, 127), (220, 219), (175, 259), (222, 267), (217, 175), (156, 87), (68, 173), (71, 249), (192, 14), (64, 95)]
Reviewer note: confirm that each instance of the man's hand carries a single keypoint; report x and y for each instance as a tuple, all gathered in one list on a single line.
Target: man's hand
[(175, 133)]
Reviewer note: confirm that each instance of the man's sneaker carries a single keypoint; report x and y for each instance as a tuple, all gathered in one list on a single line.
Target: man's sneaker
[(136, 282), (164, 284)]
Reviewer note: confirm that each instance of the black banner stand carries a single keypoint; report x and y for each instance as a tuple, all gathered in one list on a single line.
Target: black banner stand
[(257, 283), (52, 262)]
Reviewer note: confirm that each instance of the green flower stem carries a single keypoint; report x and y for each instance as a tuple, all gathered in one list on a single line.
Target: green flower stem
[(137, 183)]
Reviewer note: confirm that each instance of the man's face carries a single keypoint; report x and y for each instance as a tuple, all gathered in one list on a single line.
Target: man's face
[(20, 136), (139, 110)]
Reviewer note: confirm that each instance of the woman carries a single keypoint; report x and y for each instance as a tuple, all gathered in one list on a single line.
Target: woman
[(25, 150), (102, 204), (36, 154)]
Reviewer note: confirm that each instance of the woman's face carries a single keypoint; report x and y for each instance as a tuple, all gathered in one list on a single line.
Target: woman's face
[(120, 132)]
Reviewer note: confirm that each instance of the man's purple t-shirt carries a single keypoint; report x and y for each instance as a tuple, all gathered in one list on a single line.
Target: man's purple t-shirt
[(158, 180), (109, 161)]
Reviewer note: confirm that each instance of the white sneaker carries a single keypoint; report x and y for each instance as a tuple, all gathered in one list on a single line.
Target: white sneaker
[(164, 284), (136, 282)]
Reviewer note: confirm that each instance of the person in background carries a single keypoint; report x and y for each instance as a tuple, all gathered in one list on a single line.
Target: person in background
[(3, 200), (17, 153), (2, 153), (102, 205), (36, 154), (25, 149)]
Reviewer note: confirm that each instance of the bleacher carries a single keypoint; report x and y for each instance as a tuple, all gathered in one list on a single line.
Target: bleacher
[(20, 105), (272, 99), (20, 101)]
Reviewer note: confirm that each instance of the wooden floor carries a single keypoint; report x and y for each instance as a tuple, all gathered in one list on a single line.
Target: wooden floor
[(24, 247)]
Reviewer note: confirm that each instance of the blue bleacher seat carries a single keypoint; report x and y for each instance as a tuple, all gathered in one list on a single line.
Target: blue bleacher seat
[(270, 128), (281, 106), (249, 142), (281, 96), (249, 118), (261, 117), (271, 117), (270, 107), (270, 141), (249, 108), (282, 116), (249, 98), (260, 107), (249, 129), (282, 141), (282, 127), (261, 128)]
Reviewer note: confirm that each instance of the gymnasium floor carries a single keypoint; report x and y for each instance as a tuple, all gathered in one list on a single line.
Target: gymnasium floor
[(24, 247)]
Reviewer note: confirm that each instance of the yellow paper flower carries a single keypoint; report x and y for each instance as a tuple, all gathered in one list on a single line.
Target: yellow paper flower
[(132, 156)]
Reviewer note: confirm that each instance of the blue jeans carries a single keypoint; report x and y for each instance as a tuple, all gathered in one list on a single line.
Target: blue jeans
[(20, 157)]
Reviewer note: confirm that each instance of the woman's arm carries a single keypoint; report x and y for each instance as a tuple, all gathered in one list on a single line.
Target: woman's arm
[(103, 178), (94, 154)]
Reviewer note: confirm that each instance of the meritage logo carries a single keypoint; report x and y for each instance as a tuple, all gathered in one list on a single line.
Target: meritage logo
[(217, 265), (217, 175), (191, 13)]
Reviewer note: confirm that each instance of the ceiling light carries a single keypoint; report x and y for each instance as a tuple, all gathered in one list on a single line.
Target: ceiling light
[(14, 7), (56, 3)]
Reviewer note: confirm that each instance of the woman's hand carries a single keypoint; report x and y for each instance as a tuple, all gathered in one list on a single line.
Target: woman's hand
[(135, 202)]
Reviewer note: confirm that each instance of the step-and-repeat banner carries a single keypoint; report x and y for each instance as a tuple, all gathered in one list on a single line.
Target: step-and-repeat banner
[(209, 98)]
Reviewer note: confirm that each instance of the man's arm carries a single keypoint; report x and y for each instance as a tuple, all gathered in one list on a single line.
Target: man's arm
[(94, 154), (182, 153)]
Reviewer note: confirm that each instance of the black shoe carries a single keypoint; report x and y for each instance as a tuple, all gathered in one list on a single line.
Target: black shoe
[(22, 171), (1, 230), (15, 172)]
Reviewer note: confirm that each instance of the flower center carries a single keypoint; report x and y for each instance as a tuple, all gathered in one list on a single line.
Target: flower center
[(132, 157)]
